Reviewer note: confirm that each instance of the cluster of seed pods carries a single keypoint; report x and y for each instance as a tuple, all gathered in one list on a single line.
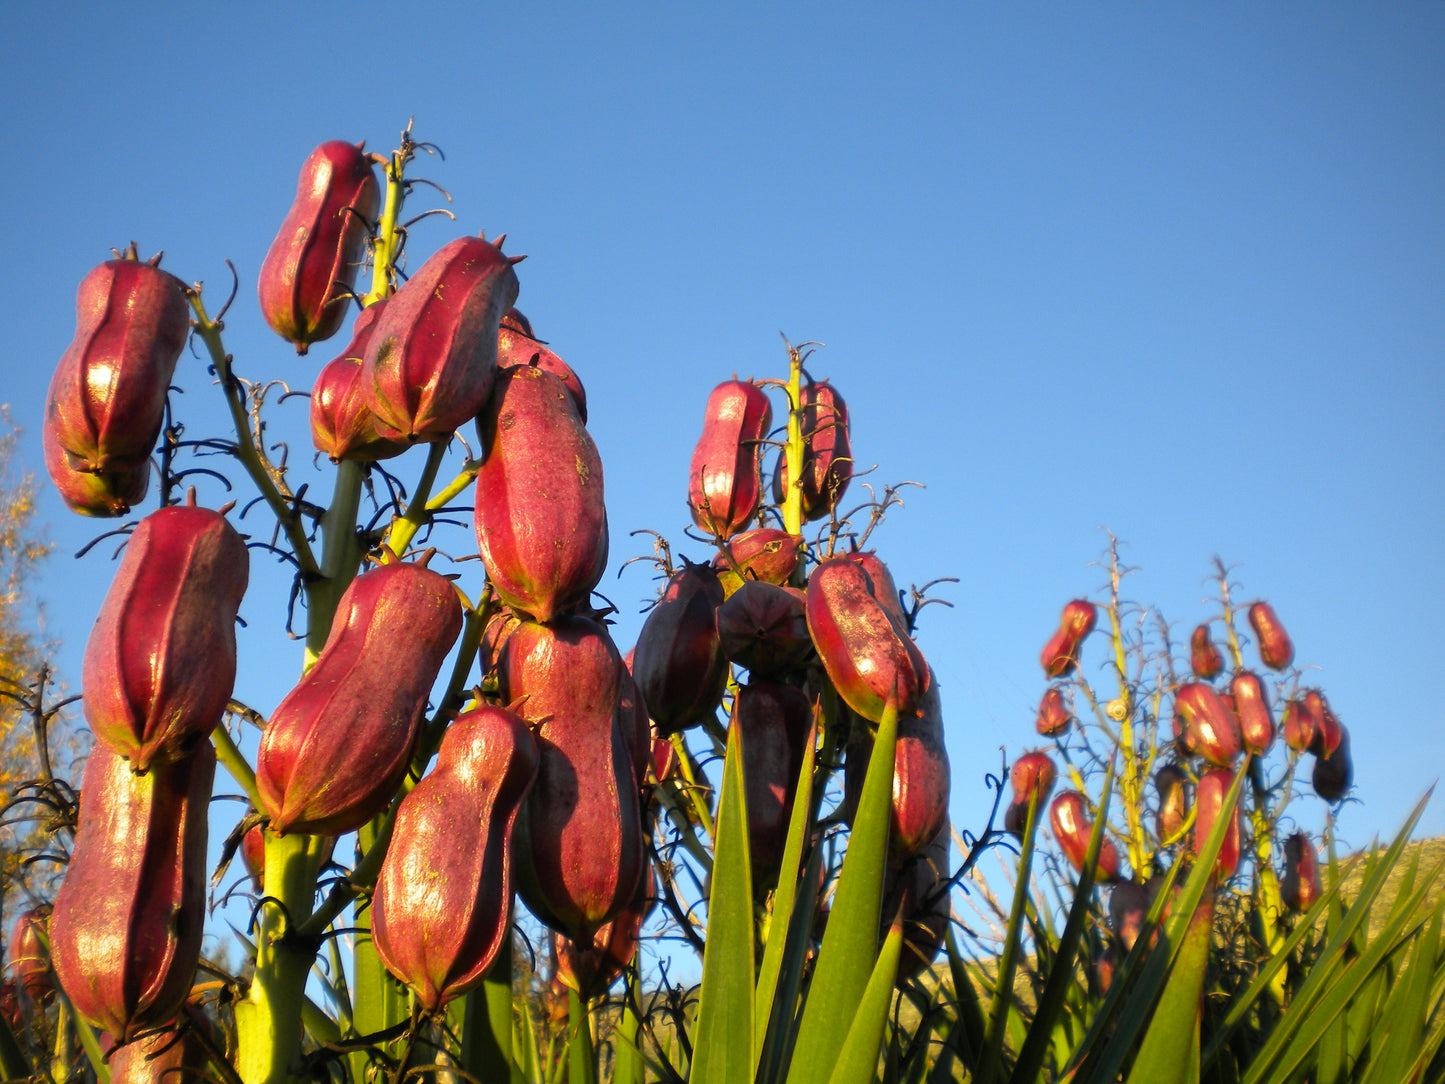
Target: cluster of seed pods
[(1220, 716)]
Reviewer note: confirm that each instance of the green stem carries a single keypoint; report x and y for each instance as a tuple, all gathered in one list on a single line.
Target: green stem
[(229, 754), (268, 1021), (340, 557), (793, 498), (404, 528)]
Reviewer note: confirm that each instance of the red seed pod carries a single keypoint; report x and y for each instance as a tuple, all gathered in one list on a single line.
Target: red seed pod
[(764, 628), (1334, 774), (125, 935), (1171, 784), (253, 855), (1061, 653), (336, 747), (773, 721), (1204, 658), (579, 845), (167, 1056), (28, 959), (1299, 888), (678, 661), (1069, 816), (160, 664), (827, 452), (516, 346), (443, 902), (1054, 717), (865, 650), (591, 970), (1211, 730), (1328, 731), (1275, 648), (540, 517), (112, 493), (1033, 773), (310, 268), (1301, 723), (764, 553), (1128, 908), (432, 357), (107, 399), (1251, 707), (725, 480), (921, 778), (1208, 803), (342, 424)]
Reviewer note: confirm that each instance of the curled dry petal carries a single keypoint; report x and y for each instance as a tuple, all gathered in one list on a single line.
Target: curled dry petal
[(336, 747), (160, 663), (1276, 650), (725, 479), (432, 357), (125, 935), (865, 650), (444, 895), (310, 268), (107, 399), (678, 662), (540, 515)]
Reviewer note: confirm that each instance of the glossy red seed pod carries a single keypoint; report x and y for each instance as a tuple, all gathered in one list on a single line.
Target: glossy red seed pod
[(1054, 717), (1033, 773), (169, 1055), (160, 664), (1204, 658), (591, 968), (772, 720), (540, 514), (253, 855), (342, 424), (1211, 729), (336, 747), (516, 346), (1299, 887), (1171, 786), (1328, 730), (579, 845), (678, 662), (1070, 820), (764, 628), (125, 935), (1276, 650), (443, 902), (312, 265), (432, 357), (107, 399), (108, 494), (863, 647), (827, 452), (1208, 802), (921, 778), (725, 479), (1301, 723), (1061, 653), (1334, 775), (763, 553), (1251, 706), (26, 956)]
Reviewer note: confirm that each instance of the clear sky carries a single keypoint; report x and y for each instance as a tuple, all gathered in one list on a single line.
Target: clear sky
[(1173, 270)]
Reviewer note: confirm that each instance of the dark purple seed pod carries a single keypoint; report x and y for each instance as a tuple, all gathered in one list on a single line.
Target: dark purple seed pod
[(678, 662)]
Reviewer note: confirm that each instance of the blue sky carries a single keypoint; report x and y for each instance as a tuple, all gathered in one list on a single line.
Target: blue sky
[(1174, 271)]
